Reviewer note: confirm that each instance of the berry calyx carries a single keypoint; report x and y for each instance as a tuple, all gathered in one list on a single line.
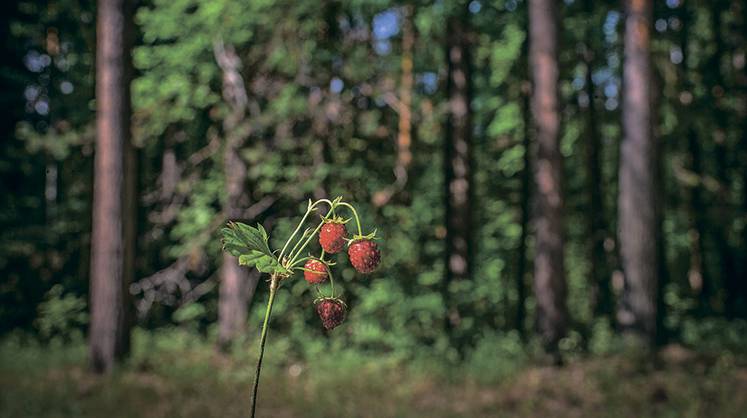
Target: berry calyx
[(333, 235), (331, 311), (364, 255), (314, 271)]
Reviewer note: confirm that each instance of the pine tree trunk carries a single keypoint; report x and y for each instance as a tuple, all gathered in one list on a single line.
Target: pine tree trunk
[(636, 200), (526, 180), (697, 276), (599, 272), (458, 157), (237, 284), (458, 167), (662, 267), (109, 327), (549, 274), (736, 303), (717, 87)]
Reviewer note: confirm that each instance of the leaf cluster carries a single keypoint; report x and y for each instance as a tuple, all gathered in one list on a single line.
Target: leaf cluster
[(250, 246)]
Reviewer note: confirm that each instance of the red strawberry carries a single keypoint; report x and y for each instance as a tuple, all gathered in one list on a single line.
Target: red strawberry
[(315, 271), (332, 237), (364, 255), (331, 311)]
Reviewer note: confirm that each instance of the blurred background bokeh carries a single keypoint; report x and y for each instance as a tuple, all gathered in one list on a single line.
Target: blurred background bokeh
[(560, 189)]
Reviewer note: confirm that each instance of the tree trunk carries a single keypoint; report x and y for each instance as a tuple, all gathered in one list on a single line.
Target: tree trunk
[(236, 288), (549, 274), (599, 272), (109, 328), (237, 284), (696, 273), (717, 87), (526, 180), (404, 131), (403, 106), (636, 204), (458, 158), (736, 303), (662, 267)]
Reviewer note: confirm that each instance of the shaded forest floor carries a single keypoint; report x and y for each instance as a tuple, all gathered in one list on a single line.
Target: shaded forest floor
[(196, 382)]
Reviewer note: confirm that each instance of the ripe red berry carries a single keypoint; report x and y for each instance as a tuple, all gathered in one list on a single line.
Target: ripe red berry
[(364, 255), (331, 311), (332, 237), (315, 271)]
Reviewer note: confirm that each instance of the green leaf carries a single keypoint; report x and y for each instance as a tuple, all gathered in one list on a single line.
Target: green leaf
[(250, 246), (263, 263), (241, 238)]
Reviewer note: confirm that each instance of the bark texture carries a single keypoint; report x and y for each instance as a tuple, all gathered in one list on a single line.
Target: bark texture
[(237, 284), (458, 157), (111, 254), (525, 215), (636, 200), (599, 271), (549, 274)]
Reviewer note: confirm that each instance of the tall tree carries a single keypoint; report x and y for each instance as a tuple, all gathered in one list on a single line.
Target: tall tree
[(111, 254), (599, 273), (716, 84), (458, 157), (737, 287), (636, 200), (525, 213), (403, 106), (549, 274), (458, 163), (237, 285), (696, 274)]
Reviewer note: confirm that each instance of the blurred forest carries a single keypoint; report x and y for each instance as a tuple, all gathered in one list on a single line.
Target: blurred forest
[(560, 188)]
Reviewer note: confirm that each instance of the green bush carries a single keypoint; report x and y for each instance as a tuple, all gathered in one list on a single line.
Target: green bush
[(496, 356), (61, 316)]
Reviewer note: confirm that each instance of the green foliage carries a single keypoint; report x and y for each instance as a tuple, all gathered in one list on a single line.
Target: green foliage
[(322, 82), (603, 338), (715, 335), (190, 313), (61, 316), (250, 246), (176, 373), (496, 357)]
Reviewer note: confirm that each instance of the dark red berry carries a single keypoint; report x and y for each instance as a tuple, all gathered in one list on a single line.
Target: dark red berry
[(364, 255), (331, 311), (315, 271), (332, 237)]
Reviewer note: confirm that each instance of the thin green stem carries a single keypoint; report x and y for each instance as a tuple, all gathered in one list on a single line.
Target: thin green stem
[(309, 210), (331, 280), (273, 289), (300, 241), (299, 261), (298, 228), (355, 215), (295, 255)]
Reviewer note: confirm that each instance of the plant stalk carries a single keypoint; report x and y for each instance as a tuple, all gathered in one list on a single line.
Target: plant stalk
[(355, 215), (274, 282)]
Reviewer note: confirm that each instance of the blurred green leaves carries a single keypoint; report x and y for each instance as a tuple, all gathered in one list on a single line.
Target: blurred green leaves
[(61, 315)]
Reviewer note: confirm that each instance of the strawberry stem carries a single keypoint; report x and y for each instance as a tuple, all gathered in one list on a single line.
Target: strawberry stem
[(355, 215), (331, 279), (311, 207), (295, 255), (273, 289)]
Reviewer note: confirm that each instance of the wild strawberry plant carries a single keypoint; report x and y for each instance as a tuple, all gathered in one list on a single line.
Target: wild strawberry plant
[(251, 246)]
